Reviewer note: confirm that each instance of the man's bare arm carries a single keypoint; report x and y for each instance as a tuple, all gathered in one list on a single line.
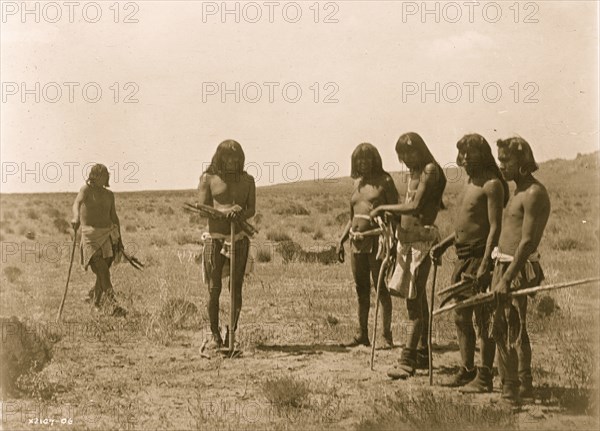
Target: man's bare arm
[(113, 213), (76, 207), (495, 198), (250, 209), (439, 249), (204, 195), (536, 209), (428, 180), (345, 236)]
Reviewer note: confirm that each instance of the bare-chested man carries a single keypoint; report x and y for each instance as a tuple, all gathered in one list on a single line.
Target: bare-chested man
[(372, 187), (416, 234), (477, 231), (94, 209), (517, 266), (227, 187)]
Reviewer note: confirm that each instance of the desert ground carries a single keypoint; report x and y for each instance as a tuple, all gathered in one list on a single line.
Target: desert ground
[(145, 371)]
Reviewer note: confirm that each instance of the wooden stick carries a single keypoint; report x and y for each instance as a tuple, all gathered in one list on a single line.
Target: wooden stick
[(455, 287), (62, 303), (482, 298), (430, 327), (210, 212), (232, 288), (382, 271)]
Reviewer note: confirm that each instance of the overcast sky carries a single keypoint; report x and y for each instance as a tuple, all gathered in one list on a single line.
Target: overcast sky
[(374, 64)]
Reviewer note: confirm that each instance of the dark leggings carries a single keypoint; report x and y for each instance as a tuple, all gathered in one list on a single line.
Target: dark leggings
[(365, 268), (215, 261), (418, 311)]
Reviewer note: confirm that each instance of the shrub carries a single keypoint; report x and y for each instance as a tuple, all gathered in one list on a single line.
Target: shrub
[(130, 228), (174, 314), (32, 214), (177, 311), (291, 208), (183, 238), (263, 255), (318, 234), (62, 225), (566, 244), (424, 411), (285, 392), (23, 351), (166, 211), (342, 218), (278, 235), (326, 256), (304, 228), (159, 241), (53, 213), (12, 273), (289, 250), (196, 219)]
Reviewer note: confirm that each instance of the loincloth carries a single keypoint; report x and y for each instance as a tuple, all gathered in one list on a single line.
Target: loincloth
[(410, 255), (365, 242), (209, 242), (468, 260), (506, 328), (105, 239)]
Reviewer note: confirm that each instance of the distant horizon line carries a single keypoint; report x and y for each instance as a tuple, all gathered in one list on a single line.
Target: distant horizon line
[(330, 180)]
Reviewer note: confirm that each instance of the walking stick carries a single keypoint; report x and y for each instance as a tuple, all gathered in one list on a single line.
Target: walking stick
[(382, 271), (62, 303), (430, 329), (379, 279), (232, 288)]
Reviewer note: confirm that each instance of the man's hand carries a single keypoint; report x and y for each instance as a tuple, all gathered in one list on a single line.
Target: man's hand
[(234, 212), (374, 213), (501, 290), (75, 224), (436, 253), (341, 252), (482, 278)]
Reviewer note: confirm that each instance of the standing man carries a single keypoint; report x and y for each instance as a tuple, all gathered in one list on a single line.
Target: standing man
[(416, 234), (517, 266), (477, 231), (372, 187), (228, 188), (94, 209)]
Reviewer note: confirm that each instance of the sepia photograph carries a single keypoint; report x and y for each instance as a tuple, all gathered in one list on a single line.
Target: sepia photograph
[(299, 215)]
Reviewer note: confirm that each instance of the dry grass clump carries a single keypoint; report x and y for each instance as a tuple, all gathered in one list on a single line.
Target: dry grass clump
[(290, 208), (425, 411), (286, 392)]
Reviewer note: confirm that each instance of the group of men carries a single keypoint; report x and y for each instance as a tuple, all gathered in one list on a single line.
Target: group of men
[(496, 242)]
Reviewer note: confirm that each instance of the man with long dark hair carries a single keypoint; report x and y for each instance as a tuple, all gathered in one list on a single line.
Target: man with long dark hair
[(517, 266), (227, 187), (477, 230), (416, 234), (372, 187), (94, 209)]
